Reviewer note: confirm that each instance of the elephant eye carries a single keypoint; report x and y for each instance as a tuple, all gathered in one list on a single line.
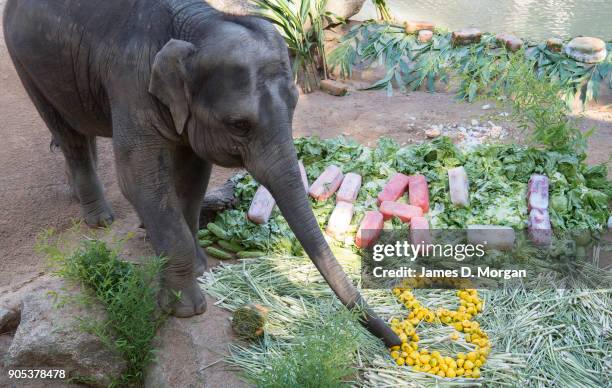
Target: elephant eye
[(242, 127)]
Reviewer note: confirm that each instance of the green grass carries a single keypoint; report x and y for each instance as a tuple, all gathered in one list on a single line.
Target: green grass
[(127, 292)]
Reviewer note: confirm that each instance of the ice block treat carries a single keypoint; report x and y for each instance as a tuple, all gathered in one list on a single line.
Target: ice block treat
[(394, 189), (349, 190), (537, 192), (404, 212), (303, 174), (369, 230), (340, 220), (458, 186), (418, 192), (540, 229), (419, 231), (327, 183), (261, 206)]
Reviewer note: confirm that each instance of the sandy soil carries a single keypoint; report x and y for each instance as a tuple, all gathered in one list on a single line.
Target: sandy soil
[(34, 194)]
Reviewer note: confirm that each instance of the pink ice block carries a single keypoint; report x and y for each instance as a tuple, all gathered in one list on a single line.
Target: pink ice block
[(537, 192), (540, 229), (340, 220), (261, 206), (418, 193), (303, 173), (327, 183), (350, 188), (458, 186), (404, 212), (419, 231), (395, 187), (369, 230)]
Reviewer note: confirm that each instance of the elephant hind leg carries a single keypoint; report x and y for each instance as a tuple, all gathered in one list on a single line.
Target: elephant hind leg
[(79, 153)]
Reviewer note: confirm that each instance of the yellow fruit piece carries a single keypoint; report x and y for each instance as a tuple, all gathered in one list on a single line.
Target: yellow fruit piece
[(396, 347), (476, 373), (460, 371), (395, 354), (460, 362), (468, 365), (409, 361), (451, 373), (478, 363), (454, 336), (400, 361), (426, 368), (460, 355), (472, 356), (425, 358)]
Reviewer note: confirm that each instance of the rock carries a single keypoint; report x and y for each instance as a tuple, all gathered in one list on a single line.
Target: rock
[(413, 26), (236, 7), (50, 337), (474, 122), (511, 42), (425, 36), (486, 107), (466, 36), (334, 88), (495, 131), (586, 49), (554, 44), (344, 8), (432, 133), (9, 319)]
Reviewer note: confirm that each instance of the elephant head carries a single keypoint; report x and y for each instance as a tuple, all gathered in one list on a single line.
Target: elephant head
[(233, 94)]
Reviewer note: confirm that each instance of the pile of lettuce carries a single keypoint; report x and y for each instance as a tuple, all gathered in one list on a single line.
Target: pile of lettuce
[(498, 176)]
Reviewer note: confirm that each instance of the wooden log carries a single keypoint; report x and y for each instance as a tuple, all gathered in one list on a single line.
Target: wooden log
[(217, 200)]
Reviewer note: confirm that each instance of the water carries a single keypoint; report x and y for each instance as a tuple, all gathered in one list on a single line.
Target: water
[(536, 19)]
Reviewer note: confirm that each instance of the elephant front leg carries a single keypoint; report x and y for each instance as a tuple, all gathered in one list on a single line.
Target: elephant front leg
[(145, 177), (191, 175)]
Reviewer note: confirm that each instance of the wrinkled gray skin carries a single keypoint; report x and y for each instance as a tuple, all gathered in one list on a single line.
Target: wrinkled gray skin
[(179, 86)]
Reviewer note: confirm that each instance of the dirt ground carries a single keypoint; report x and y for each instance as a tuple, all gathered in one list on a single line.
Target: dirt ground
[(34, 193)]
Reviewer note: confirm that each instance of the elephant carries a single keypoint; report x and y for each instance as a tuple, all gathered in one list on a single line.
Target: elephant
[(178, 86)]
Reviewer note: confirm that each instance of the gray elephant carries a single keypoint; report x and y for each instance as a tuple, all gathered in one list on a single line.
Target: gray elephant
[(178, 86)]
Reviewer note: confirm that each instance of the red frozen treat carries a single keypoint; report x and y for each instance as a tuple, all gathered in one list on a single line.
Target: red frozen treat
[(540, 229), (419, 231), (405, 212), (261, 206), (370, 229), (349, 189), (303, 173), (326, 184), (340, 220), (418, 192), (394, 189), (537, 192)]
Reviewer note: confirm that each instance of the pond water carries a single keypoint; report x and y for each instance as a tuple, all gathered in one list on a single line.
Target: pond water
[(536, 19)]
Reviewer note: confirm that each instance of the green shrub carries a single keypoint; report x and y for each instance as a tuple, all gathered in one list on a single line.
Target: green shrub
[(128, 293)]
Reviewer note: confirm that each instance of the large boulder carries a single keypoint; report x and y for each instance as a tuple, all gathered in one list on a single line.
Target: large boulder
[(586, 49), (50, 336)]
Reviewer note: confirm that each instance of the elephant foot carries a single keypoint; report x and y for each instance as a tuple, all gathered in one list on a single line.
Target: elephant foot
[(98, 215), (183, 300), (201, 262)]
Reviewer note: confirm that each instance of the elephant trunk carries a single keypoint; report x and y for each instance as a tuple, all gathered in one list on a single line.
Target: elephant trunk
[(279, 173)]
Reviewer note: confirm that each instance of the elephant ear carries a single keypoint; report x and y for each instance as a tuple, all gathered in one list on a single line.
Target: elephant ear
[(169, 80)]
